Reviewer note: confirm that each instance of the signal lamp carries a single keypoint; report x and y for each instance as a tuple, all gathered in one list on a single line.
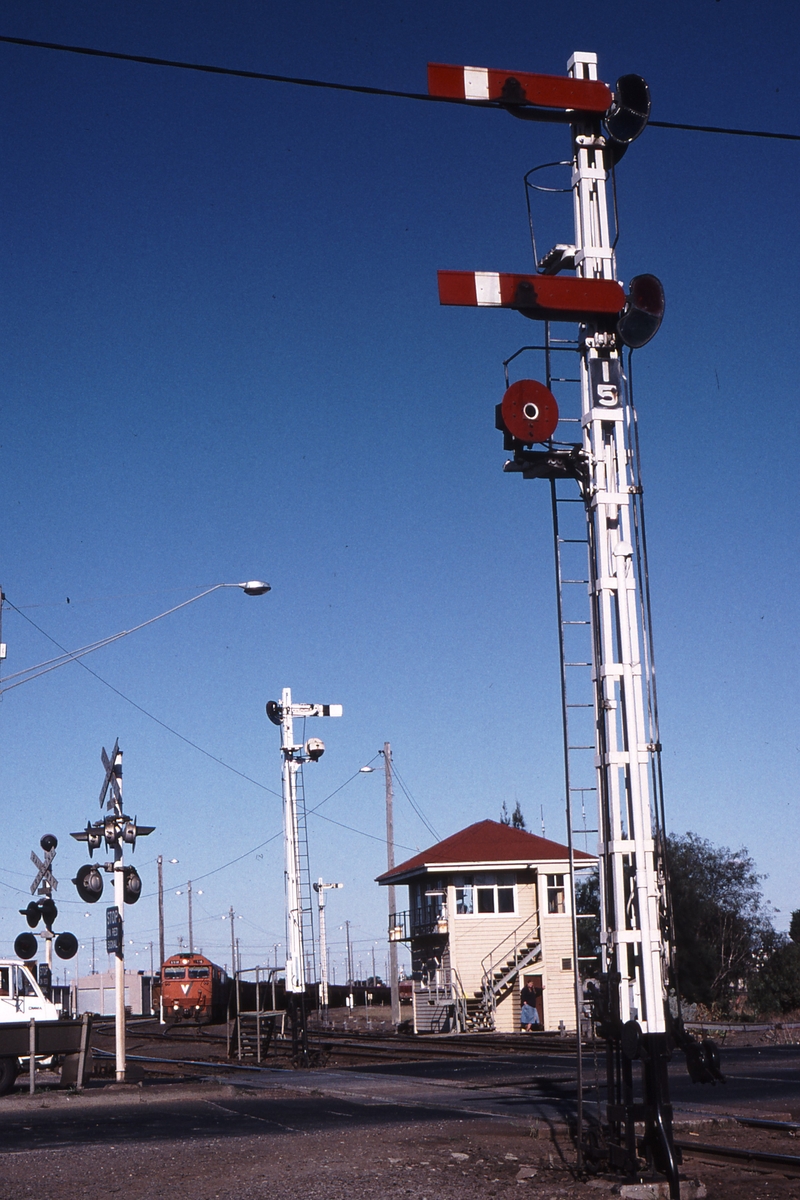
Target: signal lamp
[(31, 914), (274, 712), (48, 842), (528, 412), (89, 883), (129, 833), (25, 946), (628, 115), (110, 832), (66, 945), (49, 912), (132, 885), (315, 748), (643, 312)]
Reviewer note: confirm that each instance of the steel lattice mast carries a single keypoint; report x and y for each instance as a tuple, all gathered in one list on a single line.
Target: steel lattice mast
[(632, 1004)]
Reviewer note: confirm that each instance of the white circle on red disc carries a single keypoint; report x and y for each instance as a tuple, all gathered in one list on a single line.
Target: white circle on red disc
[(530, 411)]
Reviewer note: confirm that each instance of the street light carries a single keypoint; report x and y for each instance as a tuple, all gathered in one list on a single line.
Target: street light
[(253, 587)]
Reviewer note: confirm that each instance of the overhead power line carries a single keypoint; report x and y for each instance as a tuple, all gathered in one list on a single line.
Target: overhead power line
[(298, 81)]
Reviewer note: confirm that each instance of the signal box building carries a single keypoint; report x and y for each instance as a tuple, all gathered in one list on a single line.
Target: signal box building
[(488, 910)]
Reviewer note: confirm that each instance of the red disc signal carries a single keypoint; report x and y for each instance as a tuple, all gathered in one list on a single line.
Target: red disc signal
[(529, 411)]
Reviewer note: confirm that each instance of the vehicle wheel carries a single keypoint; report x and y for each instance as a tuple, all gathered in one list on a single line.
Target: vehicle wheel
[(9, 1069)]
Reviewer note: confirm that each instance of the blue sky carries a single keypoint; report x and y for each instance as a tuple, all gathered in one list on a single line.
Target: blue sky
[(222, 357)]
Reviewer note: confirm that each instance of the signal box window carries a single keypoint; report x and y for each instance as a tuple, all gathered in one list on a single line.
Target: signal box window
[(555, 894), (484, 894)]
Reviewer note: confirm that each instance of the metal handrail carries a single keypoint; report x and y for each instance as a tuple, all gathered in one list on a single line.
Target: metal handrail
[(505, 952), (417, 922)]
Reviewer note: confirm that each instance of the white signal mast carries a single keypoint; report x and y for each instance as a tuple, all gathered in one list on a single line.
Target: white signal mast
[(632, 1005), (292, 758)]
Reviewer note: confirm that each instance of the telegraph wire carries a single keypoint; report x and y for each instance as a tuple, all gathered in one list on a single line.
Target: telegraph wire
[(297, 81), (139, 708)]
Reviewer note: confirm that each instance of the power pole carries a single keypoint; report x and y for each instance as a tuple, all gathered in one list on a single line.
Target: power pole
[(349, 956), (160, 861), (394, 982), (191, 930), (233, 943)]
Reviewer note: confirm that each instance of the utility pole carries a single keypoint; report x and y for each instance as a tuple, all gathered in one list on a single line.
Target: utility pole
[(321, 888), (160, 861), (349, 956), (292, 758), (191, 930), (233, 944), (394, 982)]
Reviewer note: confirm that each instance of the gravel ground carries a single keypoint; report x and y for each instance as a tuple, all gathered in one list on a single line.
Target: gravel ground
[(155, 1143)]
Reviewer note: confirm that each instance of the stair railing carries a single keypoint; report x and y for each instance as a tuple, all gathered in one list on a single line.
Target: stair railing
[(505, 959)]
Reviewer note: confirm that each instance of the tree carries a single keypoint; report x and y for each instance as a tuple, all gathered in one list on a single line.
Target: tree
[(516, 820), (794, 926), (776, 987), (721, 924)]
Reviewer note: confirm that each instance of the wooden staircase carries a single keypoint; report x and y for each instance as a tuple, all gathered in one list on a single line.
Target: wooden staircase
[(501, 970)]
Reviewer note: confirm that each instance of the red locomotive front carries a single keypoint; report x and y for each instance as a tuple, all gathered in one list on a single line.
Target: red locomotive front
[(193, 989)]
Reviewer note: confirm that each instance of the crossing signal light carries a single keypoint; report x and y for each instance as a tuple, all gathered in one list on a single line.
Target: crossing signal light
[(132, 885), (49, 912), (25, 946), (643, 313), (274, 712), (48, 842), (89, 883), (65, 945), (45, 910)]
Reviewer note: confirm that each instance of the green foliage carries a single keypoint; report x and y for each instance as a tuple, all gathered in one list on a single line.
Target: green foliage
[(721, 924), (587, 900), (516, 820), (776, 987), (794, 926)]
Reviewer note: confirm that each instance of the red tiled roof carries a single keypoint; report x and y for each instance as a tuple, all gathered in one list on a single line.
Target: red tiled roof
[(485, 842)]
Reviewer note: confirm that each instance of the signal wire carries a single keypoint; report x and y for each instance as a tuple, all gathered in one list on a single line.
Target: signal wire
[(298, 81), (127, 699)]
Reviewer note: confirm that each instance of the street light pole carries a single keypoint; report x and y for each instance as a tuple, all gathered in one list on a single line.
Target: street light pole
[(160, 861)]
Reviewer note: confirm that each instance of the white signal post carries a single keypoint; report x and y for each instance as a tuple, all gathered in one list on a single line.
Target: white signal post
[(634, 903), (321, 888), (292, 758)]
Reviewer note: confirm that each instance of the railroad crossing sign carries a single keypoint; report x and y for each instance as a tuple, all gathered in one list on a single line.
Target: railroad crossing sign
[(45, 881), (113, 774)]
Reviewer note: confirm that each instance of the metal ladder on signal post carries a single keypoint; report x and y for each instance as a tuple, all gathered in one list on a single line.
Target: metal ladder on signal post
[(304, 871)]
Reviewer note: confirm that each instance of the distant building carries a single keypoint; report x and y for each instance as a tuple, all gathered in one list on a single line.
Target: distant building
[(96, 994), (489, 909)]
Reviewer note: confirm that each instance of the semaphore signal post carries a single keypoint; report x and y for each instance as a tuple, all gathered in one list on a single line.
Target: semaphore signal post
[(632, 1000)]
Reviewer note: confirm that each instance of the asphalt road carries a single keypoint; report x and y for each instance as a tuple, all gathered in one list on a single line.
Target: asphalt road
[(524, 1090)]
